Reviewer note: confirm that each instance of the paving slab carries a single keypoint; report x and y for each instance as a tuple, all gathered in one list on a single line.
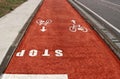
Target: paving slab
[(12, 23)]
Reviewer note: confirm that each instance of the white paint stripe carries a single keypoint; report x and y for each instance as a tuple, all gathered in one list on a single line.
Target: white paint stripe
[(35, 76), (111, 5), (106, 1), (100, 17)]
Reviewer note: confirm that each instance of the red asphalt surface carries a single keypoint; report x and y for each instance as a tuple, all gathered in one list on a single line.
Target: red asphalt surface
[(85, 54)]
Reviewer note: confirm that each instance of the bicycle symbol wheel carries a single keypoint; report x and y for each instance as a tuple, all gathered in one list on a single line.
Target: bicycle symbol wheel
[(72, 29), (40, 21), (83, 29), (48, 21)]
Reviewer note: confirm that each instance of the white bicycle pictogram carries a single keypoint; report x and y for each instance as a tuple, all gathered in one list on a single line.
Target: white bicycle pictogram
[(76, 27), (43, 24)]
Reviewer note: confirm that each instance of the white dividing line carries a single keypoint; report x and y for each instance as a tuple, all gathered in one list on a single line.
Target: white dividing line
[(111, 5), (100, 17), (106, 1), (35, 76)]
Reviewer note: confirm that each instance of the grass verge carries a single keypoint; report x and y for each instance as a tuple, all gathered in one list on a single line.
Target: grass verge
[(8, 5)]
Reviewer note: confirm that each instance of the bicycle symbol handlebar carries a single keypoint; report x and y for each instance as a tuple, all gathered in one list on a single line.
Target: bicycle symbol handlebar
[(43, 24), (72, 28)]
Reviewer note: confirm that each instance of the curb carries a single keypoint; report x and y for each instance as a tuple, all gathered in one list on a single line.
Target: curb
[(100, 25), (16, 42)]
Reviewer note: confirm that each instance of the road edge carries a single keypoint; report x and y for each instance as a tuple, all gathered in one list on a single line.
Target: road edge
[(98, 25)]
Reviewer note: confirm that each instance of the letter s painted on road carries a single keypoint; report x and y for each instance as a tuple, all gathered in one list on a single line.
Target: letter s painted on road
[(59, 53)]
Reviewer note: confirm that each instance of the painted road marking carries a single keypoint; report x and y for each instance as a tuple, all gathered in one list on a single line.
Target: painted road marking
[(80, 50), (43, 23), (111, 3), (76, 27), (36, 76), (34, 53), (112, 26)]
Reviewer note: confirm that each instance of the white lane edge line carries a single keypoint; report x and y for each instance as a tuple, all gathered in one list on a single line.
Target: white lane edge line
[(100, 17), (34, 76), (106, 1)]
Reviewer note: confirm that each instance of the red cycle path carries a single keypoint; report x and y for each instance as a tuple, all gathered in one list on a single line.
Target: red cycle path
[(85, 55)]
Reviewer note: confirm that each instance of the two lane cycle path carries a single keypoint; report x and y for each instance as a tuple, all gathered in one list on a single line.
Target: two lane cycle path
[(59, 43)]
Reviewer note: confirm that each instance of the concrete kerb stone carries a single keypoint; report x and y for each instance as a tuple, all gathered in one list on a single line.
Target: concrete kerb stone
[(99, 25), (19, 33)]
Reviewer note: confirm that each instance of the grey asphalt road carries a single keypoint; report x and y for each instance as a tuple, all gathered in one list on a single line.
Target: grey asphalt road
[(108, 9)]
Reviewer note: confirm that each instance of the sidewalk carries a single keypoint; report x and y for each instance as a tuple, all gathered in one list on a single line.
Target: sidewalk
[(12, 23)]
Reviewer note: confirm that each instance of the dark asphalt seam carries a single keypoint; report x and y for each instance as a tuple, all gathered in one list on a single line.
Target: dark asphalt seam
[(13, 47)]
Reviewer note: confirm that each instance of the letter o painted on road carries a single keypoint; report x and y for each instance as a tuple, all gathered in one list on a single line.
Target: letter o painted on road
[(33, 53)]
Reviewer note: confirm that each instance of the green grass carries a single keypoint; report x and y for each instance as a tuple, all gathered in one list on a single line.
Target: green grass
[(8, 5)]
